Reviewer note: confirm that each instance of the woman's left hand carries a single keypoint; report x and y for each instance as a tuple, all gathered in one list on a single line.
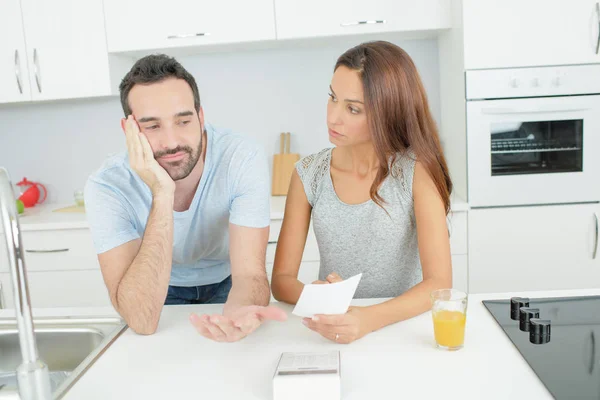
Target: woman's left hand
[(344, 328)]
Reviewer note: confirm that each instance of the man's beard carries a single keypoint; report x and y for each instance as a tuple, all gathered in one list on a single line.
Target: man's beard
[(180, 169)]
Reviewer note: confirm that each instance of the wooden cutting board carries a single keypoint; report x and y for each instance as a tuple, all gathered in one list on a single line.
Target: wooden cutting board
[(283, 166), (71, 209)]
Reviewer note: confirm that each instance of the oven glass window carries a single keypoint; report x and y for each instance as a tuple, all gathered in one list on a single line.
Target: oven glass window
[(537, 147)]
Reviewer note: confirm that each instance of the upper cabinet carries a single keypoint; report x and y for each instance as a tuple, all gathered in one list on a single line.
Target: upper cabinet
[(514, 33), (14, 75), (133, 25), (66, 48), (313, 18), (52, 50)]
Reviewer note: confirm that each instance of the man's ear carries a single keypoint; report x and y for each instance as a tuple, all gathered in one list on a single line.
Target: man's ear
[(123, 122), (201, 116)]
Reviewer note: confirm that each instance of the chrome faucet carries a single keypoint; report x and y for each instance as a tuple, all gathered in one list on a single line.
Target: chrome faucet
[(33, 377)]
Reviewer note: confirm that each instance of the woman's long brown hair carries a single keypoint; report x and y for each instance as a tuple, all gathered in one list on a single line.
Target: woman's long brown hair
[(398, 112)]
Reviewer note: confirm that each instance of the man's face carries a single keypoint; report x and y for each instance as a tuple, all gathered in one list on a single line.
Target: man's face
[(166, 114)]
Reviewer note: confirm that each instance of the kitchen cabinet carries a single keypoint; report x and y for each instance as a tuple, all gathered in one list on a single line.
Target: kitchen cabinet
[(66, 47), (311, 248), (143, 25), (47, 289), (457, 229), (314, 18), (14, 73), (62, 270), (534, 248), (460, 272), (53, 50), (513, 33)]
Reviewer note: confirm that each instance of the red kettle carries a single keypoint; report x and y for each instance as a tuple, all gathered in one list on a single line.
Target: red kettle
[(30, 192)]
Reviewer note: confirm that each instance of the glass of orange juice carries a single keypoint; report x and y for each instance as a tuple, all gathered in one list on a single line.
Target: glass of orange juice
[(449, 310)]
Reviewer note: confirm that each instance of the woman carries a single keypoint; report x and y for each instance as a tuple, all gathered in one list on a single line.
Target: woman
[(378, 200)]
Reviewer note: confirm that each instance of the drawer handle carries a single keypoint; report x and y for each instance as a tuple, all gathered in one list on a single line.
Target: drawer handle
[(47, 251), (188, 35), (368, 22)]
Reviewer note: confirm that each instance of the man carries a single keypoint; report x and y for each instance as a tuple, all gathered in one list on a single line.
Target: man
[(183, 217)]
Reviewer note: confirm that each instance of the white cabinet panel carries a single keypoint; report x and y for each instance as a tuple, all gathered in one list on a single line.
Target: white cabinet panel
[(533, 248), (313, 18), (61, 289), (62, 270), (14, 75), (63, 250), (457, 227), (143, 25), (460, 272), (514, 33), (66, 48), (311, 248)]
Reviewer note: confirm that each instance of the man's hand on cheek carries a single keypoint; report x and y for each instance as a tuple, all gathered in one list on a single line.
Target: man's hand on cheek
[(141, 160)]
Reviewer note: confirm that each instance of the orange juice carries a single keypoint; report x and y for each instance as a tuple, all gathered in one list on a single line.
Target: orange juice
[(449, 328)]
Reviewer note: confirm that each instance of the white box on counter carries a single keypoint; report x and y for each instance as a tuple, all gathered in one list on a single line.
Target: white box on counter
[(314, 376)]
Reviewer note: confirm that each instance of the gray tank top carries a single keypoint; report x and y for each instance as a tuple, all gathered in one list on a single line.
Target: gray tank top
[(363, 238)]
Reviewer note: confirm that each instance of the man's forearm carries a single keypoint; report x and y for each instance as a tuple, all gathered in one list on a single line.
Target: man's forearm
[(142, 291), (247, 291)]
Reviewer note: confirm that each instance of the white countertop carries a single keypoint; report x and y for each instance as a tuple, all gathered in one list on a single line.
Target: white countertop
[(43, 216), (399, 361)]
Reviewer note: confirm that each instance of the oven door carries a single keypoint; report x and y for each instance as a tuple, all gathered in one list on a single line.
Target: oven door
[(533, 151)]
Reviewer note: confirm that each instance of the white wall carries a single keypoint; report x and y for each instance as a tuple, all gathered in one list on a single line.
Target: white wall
[(260, 93)]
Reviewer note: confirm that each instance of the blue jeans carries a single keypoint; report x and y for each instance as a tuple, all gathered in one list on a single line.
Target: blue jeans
[(207, 294)]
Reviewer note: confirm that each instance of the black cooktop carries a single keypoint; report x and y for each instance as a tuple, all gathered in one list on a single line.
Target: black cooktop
[(559, 338)]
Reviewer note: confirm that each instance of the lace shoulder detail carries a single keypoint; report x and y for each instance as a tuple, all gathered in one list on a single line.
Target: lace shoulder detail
[(311, 170), (403, 170)]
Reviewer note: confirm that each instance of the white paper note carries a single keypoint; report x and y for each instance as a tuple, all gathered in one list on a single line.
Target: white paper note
[(331, 299)]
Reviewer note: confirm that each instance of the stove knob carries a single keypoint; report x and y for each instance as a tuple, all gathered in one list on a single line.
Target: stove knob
[(525, 314), (539, 330), (515, 304)]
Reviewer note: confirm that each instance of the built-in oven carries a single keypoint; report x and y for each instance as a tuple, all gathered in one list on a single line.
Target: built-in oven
[(533, 135)]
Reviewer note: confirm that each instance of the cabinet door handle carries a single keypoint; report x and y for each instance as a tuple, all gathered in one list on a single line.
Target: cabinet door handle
[(508, 111), (47, 251), (38, 78), (367, 22), (592, 353), (596, 239), (1, 297), (598, 38), (188, 35), (18, 71)]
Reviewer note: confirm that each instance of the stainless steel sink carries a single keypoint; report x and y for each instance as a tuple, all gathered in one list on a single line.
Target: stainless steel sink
[(68, 345)]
